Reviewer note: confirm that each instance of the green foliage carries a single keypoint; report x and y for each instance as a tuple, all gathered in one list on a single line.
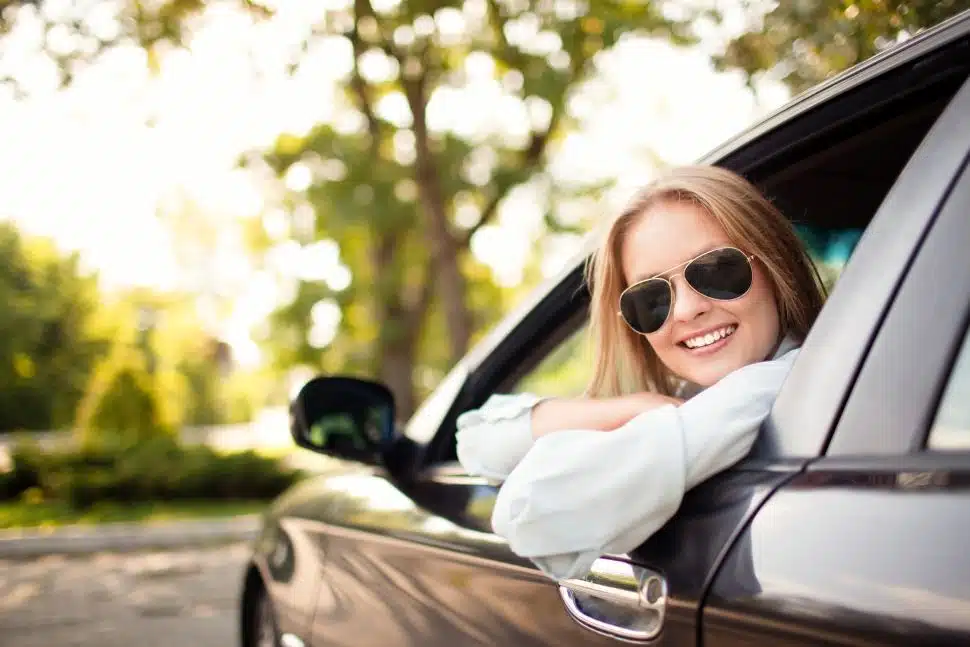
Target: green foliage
[(27, 513), (809, 42), (154, 470), (161, 337), (123, 401), (563, 373), (48, 343), (403, 199)]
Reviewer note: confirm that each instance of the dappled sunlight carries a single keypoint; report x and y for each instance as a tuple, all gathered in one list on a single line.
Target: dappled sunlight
[(205, 205), (374, 494)]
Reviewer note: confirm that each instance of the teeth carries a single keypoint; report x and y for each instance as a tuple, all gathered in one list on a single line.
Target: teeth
[(706, 340)]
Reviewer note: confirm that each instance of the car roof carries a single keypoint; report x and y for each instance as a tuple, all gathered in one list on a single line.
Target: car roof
[(919, 46)]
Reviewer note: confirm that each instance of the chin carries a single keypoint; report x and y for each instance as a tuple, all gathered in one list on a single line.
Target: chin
[(708, 373), (704, 378)]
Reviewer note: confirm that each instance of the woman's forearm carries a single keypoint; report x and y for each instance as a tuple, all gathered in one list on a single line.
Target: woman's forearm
[(493, 439), (604, 414)]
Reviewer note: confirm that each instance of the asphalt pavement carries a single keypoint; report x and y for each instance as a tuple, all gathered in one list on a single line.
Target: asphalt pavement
[(126, 537), (147, 599)]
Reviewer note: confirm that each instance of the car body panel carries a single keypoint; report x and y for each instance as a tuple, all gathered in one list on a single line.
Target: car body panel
[(895, 400), (290, 550), (833, 351), (390, 570), (397, 573), (860, 556)]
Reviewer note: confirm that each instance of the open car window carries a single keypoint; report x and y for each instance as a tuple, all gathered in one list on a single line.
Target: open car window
[(828, 170), (564, 372), (568, 368)]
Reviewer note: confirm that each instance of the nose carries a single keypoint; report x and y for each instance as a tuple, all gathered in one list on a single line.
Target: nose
[(688, 304)]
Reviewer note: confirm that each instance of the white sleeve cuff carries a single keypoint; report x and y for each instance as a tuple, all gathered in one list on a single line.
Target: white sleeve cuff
[(493, 439)]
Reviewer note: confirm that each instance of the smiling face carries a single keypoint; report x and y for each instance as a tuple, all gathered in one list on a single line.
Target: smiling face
[(703, 339)]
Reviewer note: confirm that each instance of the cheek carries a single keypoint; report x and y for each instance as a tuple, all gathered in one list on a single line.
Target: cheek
[(662, 343), (759, 309)]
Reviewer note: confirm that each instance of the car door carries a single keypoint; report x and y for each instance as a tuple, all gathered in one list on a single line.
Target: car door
[(867, 545), (417, 564), (474, 590)]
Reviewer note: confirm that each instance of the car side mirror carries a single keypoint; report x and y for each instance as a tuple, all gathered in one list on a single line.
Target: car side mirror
[(344, 417)]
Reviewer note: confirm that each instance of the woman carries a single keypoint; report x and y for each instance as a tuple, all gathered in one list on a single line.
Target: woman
[(701, 286)]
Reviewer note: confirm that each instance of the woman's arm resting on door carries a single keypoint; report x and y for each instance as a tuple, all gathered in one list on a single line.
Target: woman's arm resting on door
[(493, 439), (579, 494)]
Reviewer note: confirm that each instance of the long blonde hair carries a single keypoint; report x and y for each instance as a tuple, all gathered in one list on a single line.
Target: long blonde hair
[(624, 361)]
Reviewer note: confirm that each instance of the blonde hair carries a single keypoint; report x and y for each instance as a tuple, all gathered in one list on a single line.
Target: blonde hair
[(624, 361)]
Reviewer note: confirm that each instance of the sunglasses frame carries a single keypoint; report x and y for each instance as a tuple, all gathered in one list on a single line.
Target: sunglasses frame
[(673, 292)]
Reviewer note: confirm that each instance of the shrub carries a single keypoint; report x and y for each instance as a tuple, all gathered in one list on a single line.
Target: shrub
[(123, 401), (152, 470), (27, 462)]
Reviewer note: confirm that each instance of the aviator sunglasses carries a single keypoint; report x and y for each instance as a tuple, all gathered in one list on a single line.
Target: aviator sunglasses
[(723, 274)]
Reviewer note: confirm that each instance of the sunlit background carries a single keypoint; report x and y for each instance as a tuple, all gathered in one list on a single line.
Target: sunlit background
[(108, 165), (203, 204)]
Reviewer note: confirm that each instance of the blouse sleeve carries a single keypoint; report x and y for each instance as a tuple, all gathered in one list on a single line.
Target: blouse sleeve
[(579, 494), (493, 439)]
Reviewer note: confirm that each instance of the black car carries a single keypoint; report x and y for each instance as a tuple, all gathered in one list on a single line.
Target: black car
[(848, 524)]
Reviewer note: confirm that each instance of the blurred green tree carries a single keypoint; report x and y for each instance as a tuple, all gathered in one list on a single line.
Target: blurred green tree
[(48, 336), (187, 367), (123, 402), (808, 42), (398, 183), (402, 184)]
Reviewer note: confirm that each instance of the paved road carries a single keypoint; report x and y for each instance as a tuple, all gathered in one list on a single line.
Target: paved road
[(119, 600)]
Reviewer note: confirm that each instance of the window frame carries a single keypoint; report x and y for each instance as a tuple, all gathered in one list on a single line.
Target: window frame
[(514, 347), (813, 398), (960, 366), (897, 393)]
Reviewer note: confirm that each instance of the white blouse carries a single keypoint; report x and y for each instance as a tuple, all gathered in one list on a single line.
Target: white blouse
[(573, 495)]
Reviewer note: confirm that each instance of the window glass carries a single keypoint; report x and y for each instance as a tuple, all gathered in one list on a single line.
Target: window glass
[(564, 372), (951, 428), (830, 249), (426, 420)]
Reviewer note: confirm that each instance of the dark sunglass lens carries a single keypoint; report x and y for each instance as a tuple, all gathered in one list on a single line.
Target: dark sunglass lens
[(646, 305), (721, 274)]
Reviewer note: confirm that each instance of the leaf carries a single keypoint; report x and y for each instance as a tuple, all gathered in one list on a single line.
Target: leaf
[(811, 41)]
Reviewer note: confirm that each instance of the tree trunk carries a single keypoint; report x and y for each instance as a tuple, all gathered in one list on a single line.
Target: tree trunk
[(452, 288), (400, 316), (397, 362), (445, 250)]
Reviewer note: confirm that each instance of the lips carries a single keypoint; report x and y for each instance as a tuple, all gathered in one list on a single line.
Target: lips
[(708, 337)]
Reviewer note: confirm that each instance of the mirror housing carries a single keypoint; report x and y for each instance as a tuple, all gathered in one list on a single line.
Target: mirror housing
[(344, 417)]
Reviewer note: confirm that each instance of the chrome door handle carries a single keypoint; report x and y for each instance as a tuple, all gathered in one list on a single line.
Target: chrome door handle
[(617, 599)]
